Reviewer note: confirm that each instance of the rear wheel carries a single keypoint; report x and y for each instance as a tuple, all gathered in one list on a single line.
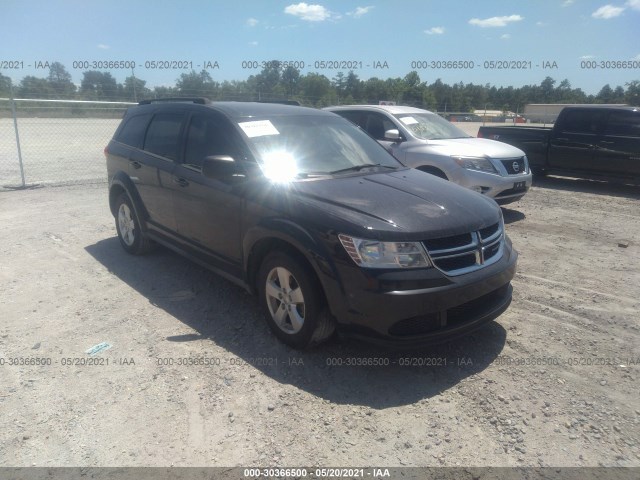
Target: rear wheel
[(128, 226), (293, 302)]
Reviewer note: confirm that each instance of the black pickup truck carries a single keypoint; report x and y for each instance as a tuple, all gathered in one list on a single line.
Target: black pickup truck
[(587, 141)]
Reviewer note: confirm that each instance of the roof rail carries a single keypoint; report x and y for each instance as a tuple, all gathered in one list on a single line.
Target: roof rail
[(282, 102), (199, 100)]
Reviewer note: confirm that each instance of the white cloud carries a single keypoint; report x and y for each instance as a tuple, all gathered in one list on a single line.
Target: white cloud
[(254, 43), (102, 46), (607, 11), (495, 21), (541, 24), (637, 58), (635, 4), (506, 36), (360, 11), (310, 13), (435, 31), (252, 22), (566, 3), (587, 57)]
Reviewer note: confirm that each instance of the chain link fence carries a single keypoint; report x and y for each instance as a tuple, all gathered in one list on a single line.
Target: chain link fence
[(61, 142), (55, 142)]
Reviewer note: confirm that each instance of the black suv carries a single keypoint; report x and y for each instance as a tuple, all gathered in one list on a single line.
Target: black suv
[(305, 209)]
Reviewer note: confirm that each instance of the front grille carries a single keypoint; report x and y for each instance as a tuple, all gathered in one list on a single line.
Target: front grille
[(515, 166), (448, 242), (451, 318), (465, 253)]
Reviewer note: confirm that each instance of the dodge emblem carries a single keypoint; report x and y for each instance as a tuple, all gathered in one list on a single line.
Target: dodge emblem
[(516, 167)]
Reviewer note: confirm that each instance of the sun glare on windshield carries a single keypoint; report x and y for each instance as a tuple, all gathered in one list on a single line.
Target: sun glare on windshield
[(279, 166)]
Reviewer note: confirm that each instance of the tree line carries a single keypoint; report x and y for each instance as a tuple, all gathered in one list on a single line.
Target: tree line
[(276, 82)]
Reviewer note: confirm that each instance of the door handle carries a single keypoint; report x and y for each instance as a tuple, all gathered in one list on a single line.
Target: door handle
[(181, 181), (135, 164)]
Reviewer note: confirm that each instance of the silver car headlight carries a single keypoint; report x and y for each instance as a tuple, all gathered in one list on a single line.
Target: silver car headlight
[(376, 254), (479, 164)]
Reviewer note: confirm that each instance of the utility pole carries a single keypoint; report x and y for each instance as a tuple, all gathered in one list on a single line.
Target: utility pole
[(135, 94)]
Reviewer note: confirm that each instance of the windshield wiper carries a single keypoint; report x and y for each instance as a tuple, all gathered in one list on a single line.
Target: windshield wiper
[(357, 168), (312, 174)]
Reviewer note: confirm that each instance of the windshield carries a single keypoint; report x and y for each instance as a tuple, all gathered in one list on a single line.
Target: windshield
[(300, 146), (430, 126)]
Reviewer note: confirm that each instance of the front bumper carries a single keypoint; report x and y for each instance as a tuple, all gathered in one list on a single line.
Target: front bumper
[(501, 188), (412, 308)]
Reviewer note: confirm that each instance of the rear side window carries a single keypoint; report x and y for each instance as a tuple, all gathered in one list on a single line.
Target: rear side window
[(132, 132), (163, 135), (584, 121), (624, 123)]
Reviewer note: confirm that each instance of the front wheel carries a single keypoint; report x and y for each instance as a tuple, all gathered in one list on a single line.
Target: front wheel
[(293, 302), (128, 226)]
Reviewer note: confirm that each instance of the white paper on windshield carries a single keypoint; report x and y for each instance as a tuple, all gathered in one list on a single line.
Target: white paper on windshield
[(258, 128), (408, 120)]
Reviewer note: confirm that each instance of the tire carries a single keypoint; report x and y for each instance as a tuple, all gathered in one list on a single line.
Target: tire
[(293, 303), (132, 238)]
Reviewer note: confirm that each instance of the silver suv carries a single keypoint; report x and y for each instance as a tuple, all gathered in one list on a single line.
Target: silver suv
[(422, 139)]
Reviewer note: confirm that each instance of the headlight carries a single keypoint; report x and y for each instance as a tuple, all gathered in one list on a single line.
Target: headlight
[(476, 163), (375, 254)]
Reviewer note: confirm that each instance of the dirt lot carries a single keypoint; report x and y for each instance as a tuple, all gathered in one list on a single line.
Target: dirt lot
[(554, 381)]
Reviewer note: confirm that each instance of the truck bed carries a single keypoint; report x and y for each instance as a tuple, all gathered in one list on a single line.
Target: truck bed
[(532, 140)]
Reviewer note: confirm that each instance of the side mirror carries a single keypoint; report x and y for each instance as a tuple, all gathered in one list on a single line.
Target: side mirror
[(392, 135), (217, 166)]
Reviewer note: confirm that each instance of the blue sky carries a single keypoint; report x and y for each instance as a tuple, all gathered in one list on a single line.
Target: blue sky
[(368, 32)]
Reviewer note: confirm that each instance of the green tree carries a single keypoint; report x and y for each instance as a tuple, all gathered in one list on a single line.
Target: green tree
[(98, 86), (134, 89), (313, 87), (547, 90), (413, 89), (60, 81), (632, 93), (164, 92), (353, 87), (339, 84), (289, 80), (5, 86), (375, 90), (605, 95), (268, 83), (618, 95), (197, 84), (34, 87)]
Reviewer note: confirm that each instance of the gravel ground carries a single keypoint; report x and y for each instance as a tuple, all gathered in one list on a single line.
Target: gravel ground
[(552, 382)]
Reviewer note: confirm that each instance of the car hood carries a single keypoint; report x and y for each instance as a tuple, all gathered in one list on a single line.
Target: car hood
[(407, 204), (474, 147)]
